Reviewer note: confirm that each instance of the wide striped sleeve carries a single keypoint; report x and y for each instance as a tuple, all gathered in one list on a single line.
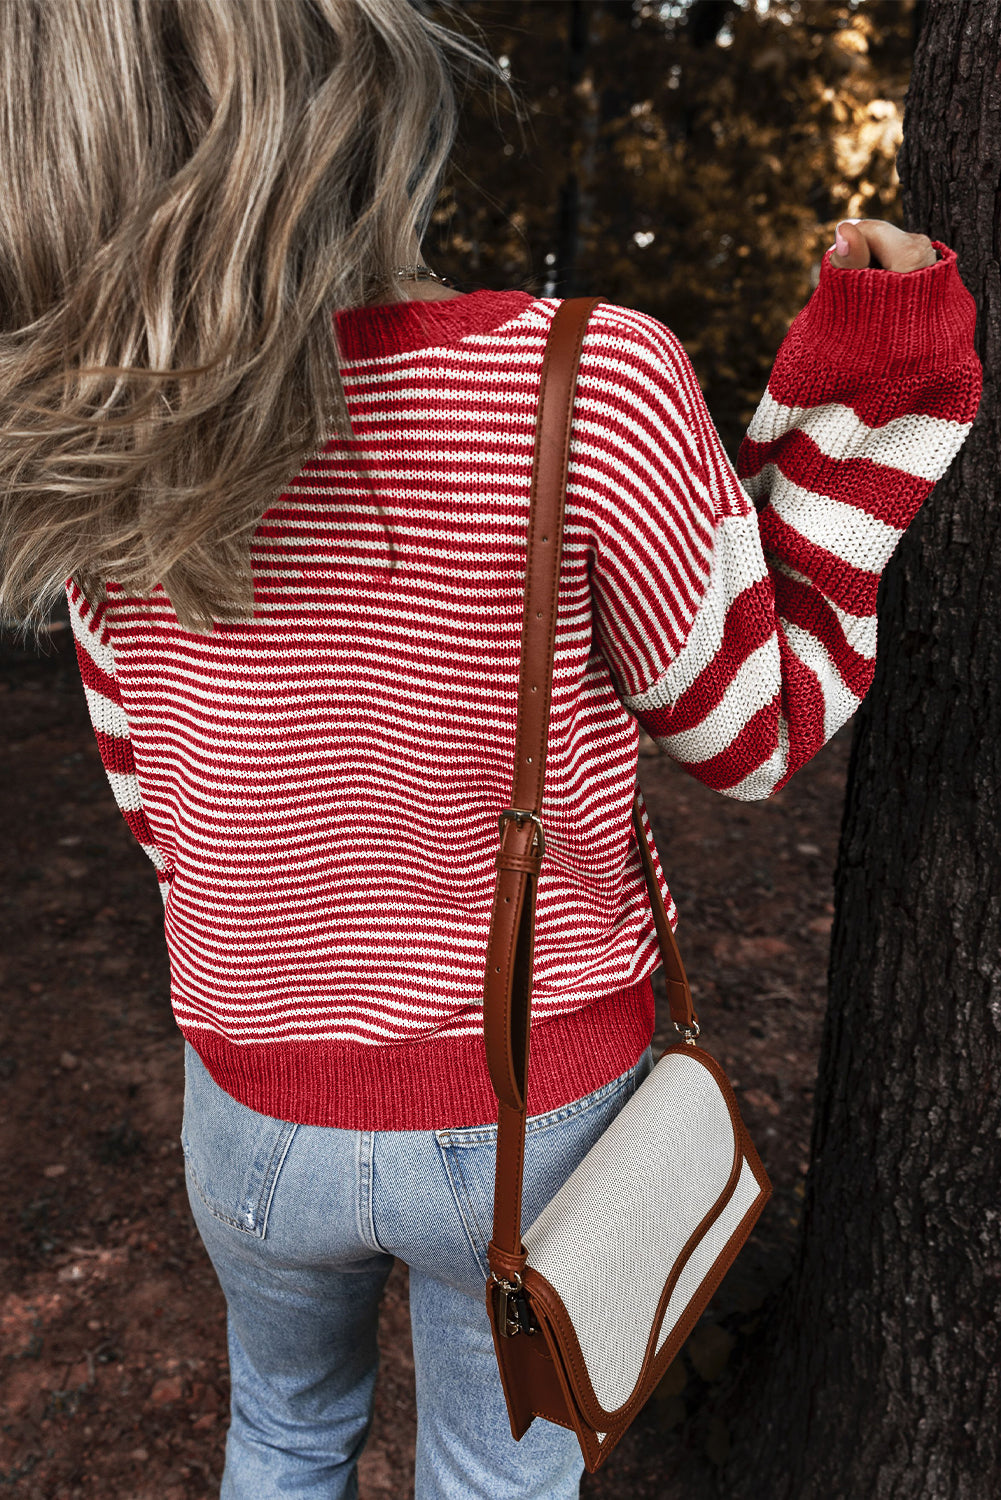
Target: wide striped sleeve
[(104, 702), (737, 609)]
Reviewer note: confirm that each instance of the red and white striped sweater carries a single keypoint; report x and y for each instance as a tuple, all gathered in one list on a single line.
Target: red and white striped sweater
[(319, 789)]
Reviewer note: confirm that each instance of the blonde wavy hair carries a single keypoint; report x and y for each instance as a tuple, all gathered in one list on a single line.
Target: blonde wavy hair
[(191, 189)]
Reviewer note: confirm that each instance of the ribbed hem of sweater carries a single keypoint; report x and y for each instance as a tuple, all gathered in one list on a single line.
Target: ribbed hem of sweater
[(435, 1085)]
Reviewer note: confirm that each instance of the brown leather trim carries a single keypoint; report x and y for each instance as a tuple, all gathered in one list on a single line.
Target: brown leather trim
[(576, 1394), (519, 1418), (508, 977), (519, 1357), (530, 1377), (528, 864), (653, 1372)]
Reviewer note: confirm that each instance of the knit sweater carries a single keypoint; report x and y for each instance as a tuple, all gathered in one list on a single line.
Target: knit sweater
[(318, 788)]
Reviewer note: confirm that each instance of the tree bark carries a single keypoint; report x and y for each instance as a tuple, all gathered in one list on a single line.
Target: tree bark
[(879, 1375)]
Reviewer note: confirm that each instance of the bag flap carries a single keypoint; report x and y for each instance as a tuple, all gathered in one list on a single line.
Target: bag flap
[(648, 1212)]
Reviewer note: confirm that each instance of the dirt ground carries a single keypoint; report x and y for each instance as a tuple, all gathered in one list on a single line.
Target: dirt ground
[(112, 1325)]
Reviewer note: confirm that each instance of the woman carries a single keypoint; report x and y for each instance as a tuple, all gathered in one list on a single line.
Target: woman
[(300, 651)]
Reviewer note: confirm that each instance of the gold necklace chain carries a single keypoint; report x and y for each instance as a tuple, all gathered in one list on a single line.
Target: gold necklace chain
[(420, 273)]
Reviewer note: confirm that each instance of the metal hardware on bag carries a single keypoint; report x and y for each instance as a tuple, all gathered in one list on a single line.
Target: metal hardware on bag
[(690, 1032), (520, 815), (513, 1300)]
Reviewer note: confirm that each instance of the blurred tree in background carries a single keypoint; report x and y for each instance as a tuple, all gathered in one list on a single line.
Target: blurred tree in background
[(690, 160)]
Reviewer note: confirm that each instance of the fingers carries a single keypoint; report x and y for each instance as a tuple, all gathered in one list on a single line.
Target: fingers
[(875, 243), (856, 257)]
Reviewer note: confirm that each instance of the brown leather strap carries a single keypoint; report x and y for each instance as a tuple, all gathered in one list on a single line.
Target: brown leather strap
[(507, 992), (679, 995), (508, 982)]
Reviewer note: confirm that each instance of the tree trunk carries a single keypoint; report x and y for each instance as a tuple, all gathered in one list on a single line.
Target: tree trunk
[(879, 1376)]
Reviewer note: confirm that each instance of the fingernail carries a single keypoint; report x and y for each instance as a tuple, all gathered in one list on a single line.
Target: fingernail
[(840, 243)]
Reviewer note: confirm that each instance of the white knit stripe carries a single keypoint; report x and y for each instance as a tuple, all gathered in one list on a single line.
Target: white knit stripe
[(209, 710), (87, 631), (839, 700), (916, 444), (388, 1025), (631, 546), (399, 1002), (402, 1006), (361, 1035), (299, 1031), (400, 1011), (359, 912), (652, 456), (465, 1029), (206, 711), (630, 578), (106, 715), (841, 528), (339, 1024), (126, 790), (763, 779), (154, 855), (859, 630), (634, 461), (283, 866), (636, 868), (455, 948), (760, 677), (755, 685), (364, 913), (860, 634)]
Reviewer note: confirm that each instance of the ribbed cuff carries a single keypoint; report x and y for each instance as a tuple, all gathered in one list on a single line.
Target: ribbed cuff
[(891, 322)]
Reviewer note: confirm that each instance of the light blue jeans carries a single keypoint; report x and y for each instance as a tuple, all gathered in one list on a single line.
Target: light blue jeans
[(301, 1223)]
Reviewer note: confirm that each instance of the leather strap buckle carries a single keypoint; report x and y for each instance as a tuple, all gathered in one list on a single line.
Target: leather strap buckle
[(520, 816)]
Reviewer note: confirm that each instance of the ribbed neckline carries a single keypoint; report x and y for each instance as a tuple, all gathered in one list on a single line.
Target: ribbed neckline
[(398, 327)]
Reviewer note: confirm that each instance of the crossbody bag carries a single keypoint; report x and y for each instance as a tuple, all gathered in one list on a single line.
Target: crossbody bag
[(590, 1305)]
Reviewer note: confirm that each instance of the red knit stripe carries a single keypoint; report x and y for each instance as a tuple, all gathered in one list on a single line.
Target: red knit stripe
[(139, 825), (802, 708), (94, 677), (850, 588), (749, 624), (750, 748), (799, 604), (856, 481), (116, 753)]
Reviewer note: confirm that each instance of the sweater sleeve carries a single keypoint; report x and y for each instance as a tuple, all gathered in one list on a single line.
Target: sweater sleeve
[(737, 610), (107, 715)]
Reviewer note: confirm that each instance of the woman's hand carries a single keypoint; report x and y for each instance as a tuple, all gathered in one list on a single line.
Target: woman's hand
[(875, 243)]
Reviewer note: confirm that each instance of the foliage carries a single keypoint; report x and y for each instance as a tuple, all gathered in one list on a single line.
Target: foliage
[(691, 160)]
